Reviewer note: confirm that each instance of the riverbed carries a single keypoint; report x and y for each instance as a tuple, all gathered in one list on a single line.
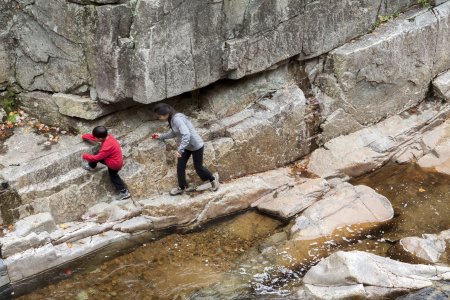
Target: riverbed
[(179, 265)]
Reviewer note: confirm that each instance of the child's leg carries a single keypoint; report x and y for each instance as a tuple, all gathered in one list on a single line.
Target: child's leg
[(202, 171), (93, 164), (181, 168), (116, 180)]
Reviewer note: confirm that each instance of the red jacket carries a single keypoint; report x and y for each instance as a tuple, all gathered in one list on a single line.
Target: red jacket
[(110, 152)]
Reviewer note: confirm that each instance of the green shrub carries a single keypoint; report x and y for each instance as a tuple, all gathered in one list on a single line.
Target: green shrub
[(8, 101)]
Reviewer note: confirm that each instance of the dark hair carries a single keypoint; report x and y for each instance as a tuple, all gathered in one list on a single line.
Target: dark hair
[(100, 132), (162, 109)]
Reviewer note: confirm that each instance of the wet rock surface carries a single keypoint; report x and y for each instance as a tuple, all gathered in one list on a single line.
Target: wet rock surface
[(425, 249), (438, 291), (361, 274)]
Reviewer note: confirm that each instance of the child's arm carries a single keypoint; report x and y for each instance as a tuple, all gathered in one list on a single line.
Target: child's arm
[(88, 137), (104, 153)]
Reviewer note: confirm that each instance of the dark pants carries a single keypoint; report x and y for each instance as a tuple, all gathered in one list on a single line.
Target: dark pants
[(113, 175), (202, 172)]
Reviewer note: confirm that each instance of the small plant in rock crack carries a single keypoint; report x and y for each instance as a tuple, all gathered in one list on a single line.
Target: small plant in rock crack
[(424, 3), (8, 101), (383, 19)]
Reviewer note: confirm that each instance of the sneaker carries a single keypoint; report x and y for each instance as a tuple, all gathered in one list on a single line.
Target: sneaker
[(190, 189), (215, 183), (125, 194), (176, 191), (87, 167)]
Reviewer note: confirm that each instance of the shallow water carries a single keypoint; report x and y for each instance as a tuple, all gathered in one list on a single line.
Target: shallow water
[(420, 198), (228, 255), (170, 268)]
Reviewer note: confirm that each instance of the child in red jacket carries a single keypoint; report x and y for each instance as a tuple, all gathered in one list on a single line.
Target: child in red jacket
[(110, 154)]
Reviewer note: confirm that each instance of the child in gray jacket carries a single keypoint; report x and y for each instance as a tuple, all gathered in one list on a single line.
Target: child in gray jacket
[(190, 143)]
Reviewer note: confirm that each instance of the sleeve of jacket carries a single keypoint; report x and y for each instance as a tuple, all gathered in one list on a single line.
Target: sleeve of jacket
[(185, 134), (88, 137), (168, 135), (104, 153)]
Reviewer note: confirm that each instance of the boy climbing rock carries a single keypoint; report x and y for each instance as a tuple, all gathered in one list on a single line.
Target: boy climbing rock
[(110, 154)]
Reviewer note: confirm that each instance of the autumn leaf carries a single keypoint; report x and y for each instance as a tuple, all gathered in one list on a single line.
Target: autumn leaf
[(63, 226), (69, 244), (11, 227), (421, 190)]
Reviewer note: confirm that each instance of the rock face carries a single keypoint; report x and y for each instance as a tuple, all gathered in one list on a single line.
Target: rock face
[(270, 132), (82, 107), (369, 148), (387, 71), (360, 274), (150, 50)]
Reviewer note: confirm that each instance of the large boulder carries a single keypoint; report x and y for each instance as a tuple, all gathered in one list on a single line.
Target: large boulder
[(292, 200), (343, 275), (344, 206)]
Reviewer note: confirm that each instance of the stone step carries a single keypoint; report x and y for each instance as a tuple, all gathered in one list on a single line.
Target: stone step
[(44, 189), (44, 168)]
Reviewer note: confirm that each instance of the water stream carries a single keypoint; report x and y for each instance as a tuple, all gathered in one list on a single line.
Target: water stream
[(178, 266)]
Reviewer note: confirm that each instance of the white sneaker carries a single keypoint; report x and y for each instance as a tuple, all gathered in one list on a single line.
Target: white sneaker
[(190, 189), (215, 183), (176, 191)]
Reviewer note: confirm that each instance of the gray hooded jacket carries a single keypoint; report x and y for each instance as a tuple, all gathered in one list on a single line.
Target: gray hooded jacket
[(182, 128)]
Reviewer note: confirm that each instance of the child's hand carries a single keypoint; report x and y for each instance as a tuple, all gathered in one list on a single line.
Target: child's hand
[(155, 135)]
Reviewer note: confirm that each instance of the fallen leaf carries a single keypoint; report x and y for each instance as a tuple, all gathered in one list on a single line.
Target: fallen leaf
[(421, 190), (69, 244), (63, 226), (11, 227)]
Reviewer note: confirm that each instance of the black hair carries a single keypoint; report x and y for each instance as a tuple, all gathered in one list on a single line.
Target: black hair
[(100, 132), (162, 109)]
